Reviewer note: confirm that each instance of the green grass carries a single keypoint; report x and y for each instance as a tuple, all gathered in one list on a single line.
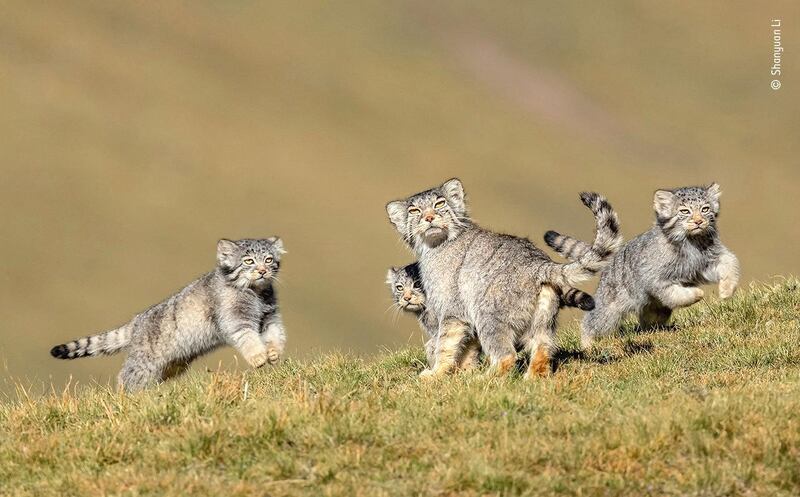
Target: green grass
[(710, 408)]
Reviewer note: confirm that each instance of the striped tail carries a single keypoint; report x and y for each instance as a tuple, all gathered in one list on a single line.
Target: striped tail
[(577, 298), (606, 238), (587, 259), (107, 343)]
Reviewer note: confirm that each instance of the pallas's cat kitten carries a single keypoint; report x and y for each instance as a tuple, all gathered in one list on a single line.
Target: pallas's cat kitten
[(408, 295), (661, 269), (233, 305)]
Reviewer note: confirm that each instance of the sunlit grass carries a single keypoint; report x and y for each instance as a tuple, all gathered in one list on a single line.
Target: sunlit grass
[(710, 408)]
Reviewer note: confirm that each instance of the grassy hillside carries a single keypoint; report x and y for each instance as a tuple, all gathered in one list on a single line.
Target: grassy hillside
[(135, 134), (709, 408)]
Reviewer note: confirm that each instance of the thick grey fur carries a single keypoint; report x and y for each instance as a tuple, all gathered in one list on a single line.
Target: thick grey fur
[(502, 285), (235, 305), (659, 270), (408, 294)]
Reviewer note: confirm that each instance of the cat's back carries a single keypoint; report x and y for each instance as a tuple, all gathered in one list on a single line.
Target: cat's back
[(190, 307), (492, 251)]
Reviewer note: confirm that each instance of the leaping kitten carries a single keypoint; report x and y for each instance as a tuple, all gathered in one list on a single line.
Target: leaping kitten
[(233, 305), (660, 270)]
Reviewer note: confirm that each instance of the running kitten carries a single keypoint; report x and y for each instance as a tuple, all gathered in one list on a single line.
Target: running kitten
[(408, 295), (660, 270), (502, 285), (235, 305)]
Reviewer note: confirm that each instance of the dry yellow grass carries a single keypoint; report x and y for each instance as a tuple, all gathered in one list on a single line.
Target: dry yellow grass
[(707, 409)]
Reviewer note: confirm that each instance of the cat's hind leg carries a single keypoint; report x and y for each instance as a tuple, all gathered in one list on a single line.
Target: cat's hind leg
[(600, 321), (497, 341), (140, 371), (540, 339)]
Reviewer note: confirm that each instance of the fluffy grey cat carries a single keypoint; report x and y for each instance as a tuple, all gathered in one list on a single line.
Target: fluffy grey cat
[(233, 305), (503, 286), (660, 270), (408, 295)]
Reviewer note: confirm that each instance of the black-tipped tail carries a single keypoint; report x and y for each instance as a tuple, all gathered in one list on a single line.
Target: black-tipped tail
[(106, 343), (551, 237), (60, 352), (579, 299)]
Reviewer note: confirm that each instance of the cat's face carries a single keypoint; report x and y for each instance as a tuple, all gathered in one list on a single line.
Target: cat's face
[(687, 212), (250, 263), (406, 288), (431, 217)]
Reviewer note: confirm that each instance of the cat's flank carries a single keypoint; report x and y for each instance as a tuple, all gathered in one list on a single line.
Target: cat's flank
[(503, 286), (661, 269), (233, 305)]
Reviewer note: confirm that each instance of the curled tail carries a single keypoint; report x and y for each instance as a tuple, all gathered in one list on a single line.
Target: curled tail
[(607, 236), (107, 343), (577, 298), (587, 259)]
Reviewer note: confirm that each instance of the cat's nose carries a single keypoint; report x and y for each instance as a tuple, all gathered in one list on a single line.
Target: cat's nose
[(429, 216), (262, 270), (407, 298)]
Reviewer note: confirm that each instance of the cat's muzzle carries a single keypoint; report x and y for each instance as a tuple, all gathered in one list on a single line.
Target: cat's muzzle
[(434, 236)]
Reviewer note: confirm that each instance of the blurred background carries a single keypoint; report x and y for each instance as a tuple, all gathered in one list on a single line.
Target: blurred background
[(133, 135)]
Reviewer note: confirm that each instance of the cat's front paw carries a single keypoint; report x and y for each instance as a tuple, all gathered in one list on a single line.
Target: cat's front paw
[(697, 295), (427, 374), (726, 289), (257, 357), (273, 356)]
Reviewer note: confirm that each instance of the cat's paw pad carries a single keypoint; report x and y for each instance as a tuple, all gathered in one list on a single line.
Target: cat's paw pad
[(273, 356)]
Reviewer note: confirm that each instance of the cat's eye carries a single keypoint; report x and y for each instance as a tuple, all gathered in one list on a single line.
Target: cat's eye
[(439, 203), (685, 211), (413, 210), (268, 260), (249, 261), (399, 288), (705, 209)]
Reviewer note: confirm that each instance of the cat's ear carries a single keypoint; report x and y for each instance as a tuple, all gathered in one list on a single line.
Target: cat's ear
[(390, 275), (663, 201), (398, 213), (227, 253), (713, 191), (454, 192), (277, 245)]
